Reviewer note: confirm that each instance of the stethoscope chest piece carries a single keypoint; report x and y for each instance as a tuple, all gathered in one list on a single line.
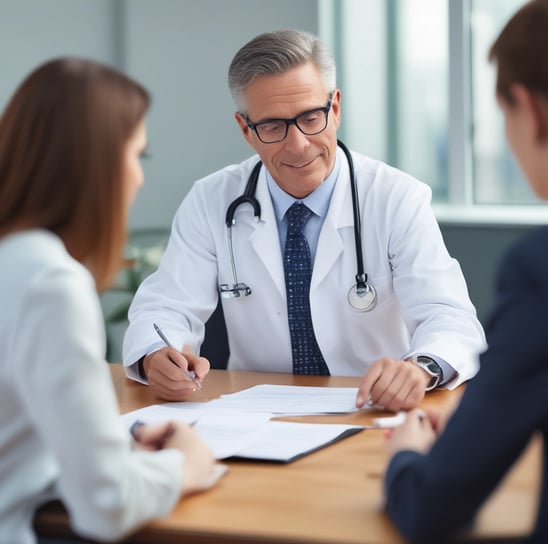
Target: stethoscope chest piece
[(363, 299)]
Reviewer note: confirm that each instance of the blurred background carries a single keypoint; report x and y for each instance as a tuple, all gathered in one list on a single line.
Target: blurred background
[(417, 92)]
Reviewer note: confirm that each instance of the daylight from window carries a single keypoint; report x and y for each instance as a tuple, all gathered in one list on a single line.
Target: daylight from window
[(418, 93)]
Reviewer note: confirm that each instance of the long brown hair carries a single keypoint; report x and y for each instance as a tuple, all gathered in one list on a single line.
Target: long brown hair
[(62, 138), (521, 50)]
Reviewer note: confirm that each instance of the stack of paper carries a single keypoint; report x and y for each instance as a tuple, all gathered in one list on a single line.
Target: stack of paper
[(240, 425), (290, 400)]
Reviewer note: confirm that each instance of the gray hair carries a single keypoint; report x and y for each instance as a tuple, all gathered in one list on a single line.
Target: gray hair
[(274, 53)]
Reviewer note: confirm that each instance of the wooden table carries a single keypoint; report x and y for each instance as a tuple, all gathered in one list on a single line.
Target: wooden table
[(330, 496)]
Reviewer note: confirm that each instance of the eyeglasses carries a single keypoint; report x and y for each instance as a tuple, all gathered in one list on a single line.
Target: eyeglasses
[(309, 122)]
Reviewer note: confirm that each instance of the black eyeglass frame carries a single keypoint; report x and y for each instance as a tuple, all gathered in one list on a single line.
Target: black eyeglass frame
[(293, 121)]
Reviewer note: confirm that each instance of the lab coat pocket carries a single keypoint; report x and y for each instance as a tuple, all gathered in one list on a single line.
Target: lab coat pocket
[(379, 332)]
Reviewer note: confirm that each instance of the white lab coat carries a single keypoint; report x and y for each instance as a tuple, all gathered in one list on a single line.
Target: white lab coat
[(423, 304)]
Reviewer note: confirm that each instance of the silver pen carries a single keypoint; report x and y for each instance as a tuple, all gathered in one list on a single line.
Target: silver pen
[(191, 375)]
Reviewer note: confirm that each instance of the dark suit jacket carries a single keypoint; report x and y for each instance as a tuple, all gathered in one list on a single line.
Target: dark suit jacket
[(432, 496)]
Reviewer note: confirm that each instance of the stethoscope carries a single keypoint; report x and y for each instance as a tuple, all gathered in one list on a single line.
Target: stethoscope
[(361, 296)]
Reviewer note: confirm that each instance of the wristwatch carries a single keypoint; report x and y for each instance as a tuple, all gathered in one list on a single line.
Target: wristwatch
[(141, 368), (431, 368)]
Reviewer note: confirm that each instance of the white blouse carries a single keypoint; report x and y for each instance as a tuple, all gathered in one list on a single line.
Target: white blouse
[(60, 431)]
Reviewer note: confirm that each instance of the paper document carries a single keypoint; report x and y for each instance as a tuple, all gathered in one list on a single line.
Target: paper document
[(250, 435), (188, 412), (254, 436), (290, 400), (226, 435), (285, 441), (240, 424)]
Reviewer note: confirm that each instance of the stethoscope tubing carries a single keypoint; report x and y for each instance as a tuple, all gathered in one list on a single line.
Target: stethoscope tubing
[(361, 296)]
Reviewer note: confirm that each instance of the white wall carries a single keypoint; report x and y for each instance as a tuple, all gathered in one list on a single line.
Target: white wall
[(32, 31), (180, 50)]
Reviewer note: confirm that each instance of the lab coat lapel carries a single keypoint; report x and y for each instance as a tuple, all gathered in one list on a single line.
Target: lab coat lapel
[(265, 239), (339, 215)]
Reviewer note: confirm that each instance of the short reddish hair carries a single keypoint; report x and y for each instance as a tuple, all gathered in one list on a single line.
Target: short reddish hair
[(521, 51)]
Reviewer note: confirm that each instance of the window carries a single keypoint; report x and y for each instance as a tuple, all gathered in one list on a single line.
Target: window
[(418, 93), (498, 179)]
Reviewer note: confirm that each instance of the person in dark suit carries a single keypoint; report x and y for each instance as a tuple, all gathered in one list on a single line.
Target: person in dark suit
[(439, 474)]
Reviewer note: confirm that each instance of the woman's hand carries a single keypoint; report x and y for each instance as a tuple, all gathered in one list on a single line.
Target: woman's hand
[(200, 471), (418, 432), (151, 437)]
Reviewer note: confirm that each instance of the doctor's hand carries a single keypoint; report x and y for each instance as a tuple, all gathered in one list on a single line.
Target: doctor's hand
[(393, 384), (165, 372)]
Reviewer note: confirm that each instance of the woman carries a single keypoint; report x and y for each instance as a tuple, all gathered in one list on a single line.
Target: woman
[(70, 140), (435, 487)]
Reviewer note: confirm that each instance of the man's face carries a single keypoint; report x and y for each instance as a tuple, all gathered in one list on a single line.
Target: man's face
[(299, 164), (522, 120)]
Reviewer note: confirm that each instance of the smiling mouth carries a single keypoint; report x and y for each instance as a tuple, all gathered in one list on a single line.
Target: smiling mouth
[(303, 165)]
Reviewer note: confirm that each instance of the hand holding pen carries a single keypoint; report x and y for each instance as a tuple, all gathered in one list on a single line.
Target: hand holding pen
[(151, 437), (200, 469), (190, 374)]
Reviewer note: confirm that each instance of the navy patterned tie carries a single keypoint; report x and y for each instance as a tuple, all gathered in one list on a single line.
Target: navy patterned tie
[(307, 357)]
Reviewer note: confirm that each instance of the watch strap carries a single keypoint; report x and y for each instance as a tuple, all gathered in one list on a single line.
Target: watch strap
[(432, 368), (141, 368)]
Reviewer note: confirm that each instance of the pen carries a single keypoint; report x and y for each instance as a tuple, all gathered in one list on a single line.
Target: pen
[(159, 442), (189, 373), (134, 426)]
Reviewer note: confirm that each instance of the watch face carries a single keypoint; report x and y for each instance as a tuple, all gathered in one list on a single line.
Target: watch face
[(431, 367)]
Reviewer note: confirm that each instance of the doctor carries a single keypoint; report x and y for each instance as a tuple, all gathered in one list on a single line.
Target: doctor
[(407, 327)]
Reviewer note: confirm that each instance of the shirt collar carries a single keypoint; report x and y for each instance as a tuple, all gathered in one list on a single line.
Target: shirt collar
[(317, 201)]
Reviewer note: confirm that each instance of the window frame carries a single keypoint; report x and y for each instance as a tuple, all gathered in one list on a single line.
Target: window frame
[(460, 207)]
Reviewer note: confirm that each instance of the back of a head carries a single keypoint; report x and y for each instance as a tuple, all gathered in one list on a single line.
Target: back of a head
[(61, 141), (521, 50), (275, 53)]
